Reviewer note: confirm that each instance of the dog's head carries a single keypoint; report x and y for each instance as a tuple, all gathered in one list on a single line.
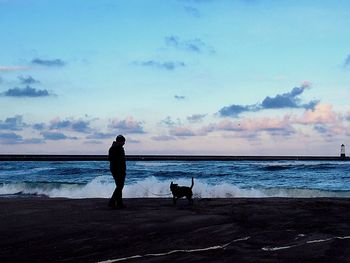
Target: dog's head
[(173, 186)]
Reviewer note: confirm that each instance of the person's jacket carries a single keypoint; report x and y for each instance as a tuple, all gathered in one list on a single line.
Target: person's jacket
[(116, 157)]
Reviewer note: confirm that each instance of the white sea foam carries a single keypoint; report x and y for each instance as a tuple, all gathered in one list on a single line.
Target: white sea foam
[(304, 243), (103, 186), (176, 251), (158, 164)]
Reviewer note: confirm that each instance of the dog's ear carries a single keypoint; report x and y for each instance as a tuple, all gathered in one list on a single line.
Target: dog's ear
[(171, 183)]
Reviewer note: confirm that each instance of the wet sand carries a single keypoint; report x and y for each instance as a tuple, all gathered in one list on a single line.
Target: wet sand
[(40, 229)]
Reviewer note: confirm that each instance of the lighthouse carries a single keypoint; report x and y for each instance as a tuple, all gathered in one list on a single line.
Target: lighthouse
[(342, 151)]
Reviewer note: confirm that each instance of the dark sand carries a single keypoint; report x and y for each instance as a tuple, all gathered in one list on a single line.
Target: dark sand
[(212, 230)]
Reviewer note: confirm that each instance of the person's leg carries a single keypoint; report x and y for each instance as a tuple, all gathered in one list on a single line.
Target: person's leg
[(114, 196), (120, 179)]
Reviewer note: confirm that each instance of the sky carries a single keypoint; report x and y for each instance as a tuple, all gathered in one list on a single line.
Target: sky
[(204, 77)]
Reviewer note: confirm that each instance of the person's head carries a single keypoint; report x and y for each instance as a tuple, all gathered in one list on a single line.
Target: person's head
[(120, 139)]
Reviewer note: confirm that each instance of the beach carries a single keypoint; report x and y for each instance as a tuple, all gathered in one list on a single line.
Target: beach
[(40, 229)]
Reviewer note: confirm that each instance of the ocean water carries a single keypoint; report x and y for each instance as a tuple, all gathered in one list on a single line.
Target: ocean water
[(220, 179)]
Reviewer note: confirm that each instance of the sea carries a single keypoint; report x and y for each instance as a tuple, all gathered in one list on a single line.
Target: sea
[(151, 179)]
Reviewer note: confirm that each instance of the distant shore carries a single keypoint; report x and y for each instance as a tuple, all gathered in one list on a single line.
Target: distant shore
[(50, 157), (40, 229)]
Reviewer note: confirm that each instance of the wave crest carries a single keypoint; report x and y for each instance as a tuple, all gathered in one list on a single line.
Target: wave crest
[(103, 187)]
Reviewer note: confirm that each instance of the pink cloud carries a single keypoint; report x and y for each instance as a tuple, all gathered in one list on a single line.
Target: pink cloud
[(255, 125), (163, 138), (347, 116), (182, 132), (12, 68), (306, 84), (322, 114)]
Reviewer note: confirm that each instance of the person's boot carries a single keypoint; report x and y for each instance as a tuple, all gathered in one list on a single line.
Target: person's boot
[(120, 204), (111, 204)]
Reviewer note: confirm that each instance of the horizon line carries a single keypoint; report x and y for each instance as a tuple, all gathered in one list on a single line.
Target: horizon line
[(153, 157)]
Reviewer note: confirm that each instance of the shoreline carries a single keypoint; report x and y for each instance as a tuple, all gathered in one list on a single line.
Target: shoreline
[(154, 230), (62, 157)]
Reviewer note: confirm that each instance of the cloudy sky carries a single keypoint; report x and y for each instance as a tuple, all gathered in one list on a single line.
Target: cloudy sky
[(226, 77)]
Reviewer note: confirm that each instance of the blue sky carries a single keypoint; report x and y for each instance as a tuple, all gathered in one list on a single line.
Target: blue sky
[(240, 77)]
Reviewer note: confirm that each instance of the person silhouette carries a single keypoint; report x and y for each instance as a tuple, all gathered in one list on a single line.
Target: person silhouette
[(117, 165)]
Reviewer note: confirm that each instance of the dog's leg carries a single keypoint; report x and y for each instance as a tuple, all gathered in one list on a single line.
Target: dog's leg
[(190, 200)]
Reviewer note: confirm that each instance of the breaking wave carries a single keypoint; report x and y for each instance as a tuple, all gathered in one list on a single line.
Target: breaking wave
[(103, 186)]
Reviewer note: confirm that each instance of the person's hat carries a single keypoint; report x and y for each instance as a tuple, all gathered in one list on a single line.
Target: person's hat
[(120, 138)]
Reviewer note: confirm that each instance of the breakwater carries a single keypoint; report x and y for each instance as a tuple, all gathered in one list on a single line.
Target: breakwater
[(43, 157)]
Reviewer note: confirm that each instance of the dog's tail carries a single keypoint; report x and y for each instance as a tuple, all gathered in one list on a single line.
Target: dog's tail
[(192, 183)]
